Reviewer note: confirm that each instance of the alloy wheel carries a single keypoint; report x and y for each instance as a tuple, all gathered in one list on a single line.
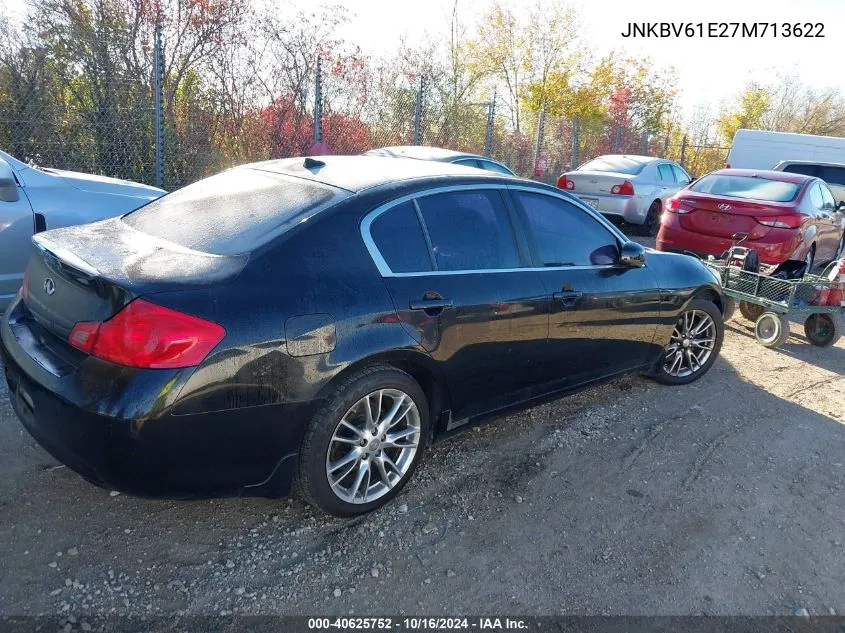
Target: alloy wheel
[(373, 446), (691, 345)]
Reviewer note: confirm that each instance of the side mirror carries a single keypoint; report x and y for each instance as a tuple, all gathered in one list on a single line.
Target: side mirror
[(841, 206), (632, 255), (8, 184)]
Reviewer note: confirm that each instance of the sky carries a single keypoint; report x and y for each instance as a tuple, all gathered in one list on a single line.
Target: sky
[(710, 70)]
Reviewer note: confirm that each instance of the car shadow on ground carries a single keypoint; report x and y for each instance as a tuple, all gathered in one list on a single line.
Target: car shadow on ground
[(718, 497)]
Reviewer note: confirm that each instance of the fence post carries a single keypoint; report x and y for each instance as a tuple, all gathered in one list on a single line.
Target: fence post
[(541, 129), (576, 142), (418, 112), (488, 136), (158, 99), (318, 104), (684, 151), (617, 140)]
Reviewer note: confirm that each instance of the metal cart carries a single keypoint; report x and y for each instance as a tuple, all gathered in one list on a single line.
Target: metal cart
[(772, 302)]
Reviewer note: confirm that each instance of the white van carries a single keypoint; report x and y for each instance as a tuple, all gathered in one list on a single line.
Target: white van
[(759, 149)]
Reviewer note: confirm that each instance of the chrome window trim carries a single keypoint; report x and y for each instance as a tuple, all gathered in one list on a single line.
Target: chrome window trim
[(384, 269)]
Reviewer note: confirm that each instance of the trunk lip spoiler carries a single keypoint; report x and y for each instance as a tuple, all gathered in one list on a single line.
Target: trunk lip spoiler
[(43, 244)]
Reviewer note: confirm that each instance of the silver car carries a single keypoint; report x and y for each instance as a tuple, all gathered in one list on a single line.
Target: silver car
[(423, 152), (33, 199), (628, 188)]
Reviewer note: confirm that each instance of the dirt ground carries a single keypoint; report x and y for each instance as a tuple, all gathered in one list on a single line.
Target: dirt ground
[(723, 497)]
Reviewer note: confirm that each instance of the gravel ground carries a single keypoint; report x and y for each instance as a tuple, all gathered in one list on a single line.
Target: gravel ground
[(723, 497)]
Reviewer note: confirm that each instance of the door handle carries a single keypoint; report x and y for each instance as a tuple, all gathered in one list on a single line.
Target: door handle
[(568, 299), (431, 303)]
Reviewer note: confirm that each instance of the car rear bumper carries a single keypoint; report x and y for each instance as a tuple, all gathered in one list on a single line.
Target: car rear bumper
[(249, 451), (775, 248), (628, 208)]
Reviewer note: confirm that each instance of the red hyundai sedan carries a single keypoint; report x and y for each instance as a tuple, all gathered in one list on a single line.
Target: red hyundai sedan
[(784, 216)]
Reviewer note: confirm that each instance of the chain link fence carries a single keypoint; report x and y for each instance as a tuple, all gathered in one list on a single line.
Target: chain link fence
[(146, 130)]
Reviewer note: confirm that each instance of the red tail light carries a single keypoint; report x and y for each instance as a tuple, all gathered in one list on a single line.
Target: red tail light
[(25, 287), (625, 189), (790, 221), (149, 336), (565, 183), (727, 165), (678, 205)]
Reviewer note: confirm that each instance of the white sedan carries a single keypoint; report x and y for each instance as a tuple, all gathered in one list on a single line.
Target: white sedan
[(628, 188)]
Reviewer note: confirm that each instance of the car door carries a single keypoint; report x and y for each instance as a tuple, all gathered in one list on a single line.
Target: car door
[(603, 316), (16, 229), (462, 288), (668, 184), (832, 223)]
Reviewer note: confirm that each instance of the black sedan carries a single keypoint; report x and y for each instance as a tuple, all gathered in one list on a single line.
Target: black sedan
[(322, 321)]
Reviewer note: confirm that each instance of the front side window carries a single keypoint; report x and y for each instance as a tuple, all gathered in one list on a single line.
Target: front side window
[(469, 230), (563, 234), (489, 165), (399, 238)]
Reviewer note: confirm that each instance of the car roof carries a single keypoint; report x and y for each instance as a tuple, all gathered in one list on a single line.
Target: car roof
[(767, 174), (422, 152), (356, 173)]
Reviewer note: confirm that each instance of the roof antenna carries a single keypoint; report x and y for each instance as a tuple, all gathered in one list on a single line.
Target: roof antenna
[(313, 163)]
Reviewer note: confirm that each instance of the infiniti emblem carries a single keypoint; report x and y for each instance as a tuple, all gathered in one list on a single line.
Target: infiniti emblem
[(49, 286), (724, 207)]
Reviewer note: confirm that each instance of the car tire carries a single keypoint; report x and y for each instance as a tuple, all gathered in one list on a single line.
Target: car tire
[(337, 429), (751, 311), (697, 311), (651, 224), (823, 330), (771, 329)]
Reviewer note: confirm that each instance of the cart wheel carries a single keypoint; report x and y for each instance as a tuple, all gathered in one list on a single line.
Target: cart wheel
[(751, 311), (822, 330), (728, 308), (771, 329)]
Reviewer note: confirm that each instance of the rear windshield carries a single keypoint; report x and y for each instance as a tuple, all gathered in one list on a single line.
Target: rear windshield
[(618, 164), (748, 187), (231, 213)]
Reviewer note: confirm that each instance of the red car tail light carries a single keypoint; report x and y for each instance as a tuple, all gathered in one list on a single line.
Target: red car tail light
[(675, 205), (791, 221), (148, 336), (565, 183), (625, 189)]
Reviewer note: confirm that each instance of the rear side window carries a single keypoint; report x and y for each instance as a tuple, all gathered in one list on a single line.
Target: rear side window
[(666, 174), (233, 212), (399, 238), (833, 175), (827, 196), (469, 230), (747, 187), (565, 235)]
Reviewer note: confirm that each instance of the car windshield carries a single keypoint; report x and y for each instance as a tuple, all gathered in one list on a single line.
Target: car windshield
[(747, 187), (233, 212), (617, 164)]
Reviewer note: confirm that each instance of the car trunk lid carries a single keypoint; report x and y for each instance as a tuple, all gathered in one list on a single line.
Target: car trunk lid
[(595, 182), (90, 272), (722, 217)]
